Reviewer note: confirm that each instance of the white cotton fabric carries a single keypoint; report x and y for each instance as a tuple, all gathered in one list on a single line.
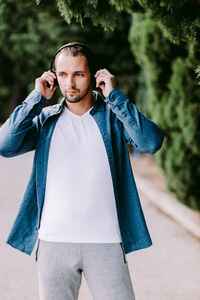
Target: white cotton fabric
[(79, 203)]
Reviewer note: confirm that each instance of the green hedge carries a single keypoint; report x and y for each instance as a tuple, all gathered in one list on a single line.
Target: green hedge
[(173, 101)]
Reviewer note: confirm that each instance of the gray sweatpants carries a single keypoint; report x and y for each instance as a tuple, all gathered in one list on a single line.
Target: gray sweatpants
[(60, 266)]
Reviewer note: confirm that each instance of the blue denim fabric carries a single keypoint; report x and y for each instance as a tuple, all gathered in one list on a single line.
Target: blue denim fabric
[(30, 127)]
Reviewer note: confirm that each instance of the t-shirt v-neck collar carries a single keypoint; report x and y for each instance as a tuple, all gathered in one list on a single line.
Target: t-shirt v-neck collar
[(75, 115)]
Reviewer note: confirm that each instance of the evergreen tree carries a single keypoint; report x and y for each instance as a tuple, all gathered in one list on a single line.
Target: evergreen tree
[(99, 12), (27, 41), (179, 19), (30, 37), (173, 98), (168, 93)]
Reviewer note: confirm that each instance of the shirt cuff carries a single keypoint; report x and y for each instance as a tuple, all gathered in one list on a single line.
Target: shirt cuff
[(115, 94), (35, 97)]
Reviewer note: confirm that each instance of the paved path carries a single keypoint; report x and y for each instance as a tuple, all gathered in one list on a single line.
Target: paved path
[(169, 270)]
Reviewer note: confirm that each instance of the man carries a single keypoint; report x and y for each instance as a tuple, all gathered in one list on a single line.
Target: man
[(81, 202)]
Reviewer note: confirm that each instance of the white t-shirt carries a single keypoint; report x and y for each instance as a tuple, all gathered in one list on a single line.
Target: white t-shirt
[(79, 204)]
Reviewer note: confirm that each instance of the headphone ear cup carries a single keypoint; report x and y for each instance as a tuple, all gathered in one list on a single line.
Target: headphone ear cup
[(55, 80), (93, 80)]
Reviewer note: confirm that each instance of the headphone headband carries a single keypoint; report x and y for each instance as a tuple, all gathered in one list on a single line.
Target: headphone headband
[(72, 44), (87, 51)]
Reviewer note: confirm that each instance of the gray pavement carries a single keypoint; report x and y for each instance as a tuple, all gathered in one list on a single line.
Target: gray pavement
[(169, 270)]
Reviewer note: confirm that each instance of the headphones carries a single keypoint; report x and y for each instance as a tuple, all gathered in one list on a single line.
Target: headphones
[(85, 50)]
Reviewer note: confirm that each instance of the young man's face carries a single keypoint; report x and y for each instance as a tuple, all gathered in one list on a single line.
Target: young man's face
[(74, 77)]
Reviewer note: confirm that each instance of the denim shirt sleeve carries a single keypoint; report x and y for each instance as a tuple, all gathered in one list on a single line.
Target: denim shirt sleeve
[(19, 133), (139, 130)]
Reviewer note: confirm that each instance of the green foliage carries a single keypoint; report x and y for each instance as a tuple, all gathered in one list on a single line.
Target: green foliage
[(173, 103), (99, 12), (126, 5), (27, 42), (180, 20), (30, 37), (166, 88), (197, 71)]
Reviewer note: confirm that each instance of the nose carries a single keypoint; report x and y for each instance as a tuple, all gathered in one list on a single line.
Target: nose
[(70, 82)]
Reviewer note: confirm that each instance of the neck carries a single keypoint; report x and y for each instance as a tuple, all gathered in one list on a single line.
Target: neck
[(83, 106)]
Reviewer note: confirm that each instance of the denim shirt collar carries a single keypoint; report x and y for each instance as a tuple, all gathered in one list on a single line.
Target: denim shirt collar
[(99, 104)]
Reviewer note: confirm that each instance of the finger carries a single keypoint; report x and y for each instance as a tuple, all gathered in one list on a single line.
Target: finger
[(49, 78), (52, 74), (103, 76), (53, 88), (100, 83), (102, 71), (48, 73), (99, 72), (102, 79)]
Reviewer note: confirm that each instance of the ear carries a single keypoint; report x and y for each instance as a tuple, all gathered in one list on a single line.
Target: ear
[(93, 80)]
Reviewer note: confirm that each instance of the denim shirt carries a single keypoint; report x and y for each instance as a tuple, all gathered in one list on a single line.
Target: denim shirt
[(30, 127)]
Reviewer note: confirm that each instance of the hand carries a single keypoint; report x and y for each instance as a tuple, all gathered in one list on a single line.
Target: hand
[(41, 84), (106, 81)]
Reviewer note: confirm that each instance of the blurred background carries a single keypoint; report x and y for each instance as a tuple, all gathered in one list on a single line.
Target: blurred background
[(151, 46)]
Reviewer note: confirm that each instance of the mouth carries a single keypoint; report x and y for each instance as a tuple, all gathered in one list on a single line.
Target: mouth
[(71, 91)]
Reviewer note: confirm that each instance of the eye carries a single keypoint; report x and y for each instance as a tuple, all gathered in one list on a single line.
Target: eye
[(79, 74)]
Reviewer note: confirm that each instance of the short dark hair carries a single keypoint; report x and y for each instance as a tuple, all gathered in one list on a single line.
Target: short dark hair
[(75, 49)]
